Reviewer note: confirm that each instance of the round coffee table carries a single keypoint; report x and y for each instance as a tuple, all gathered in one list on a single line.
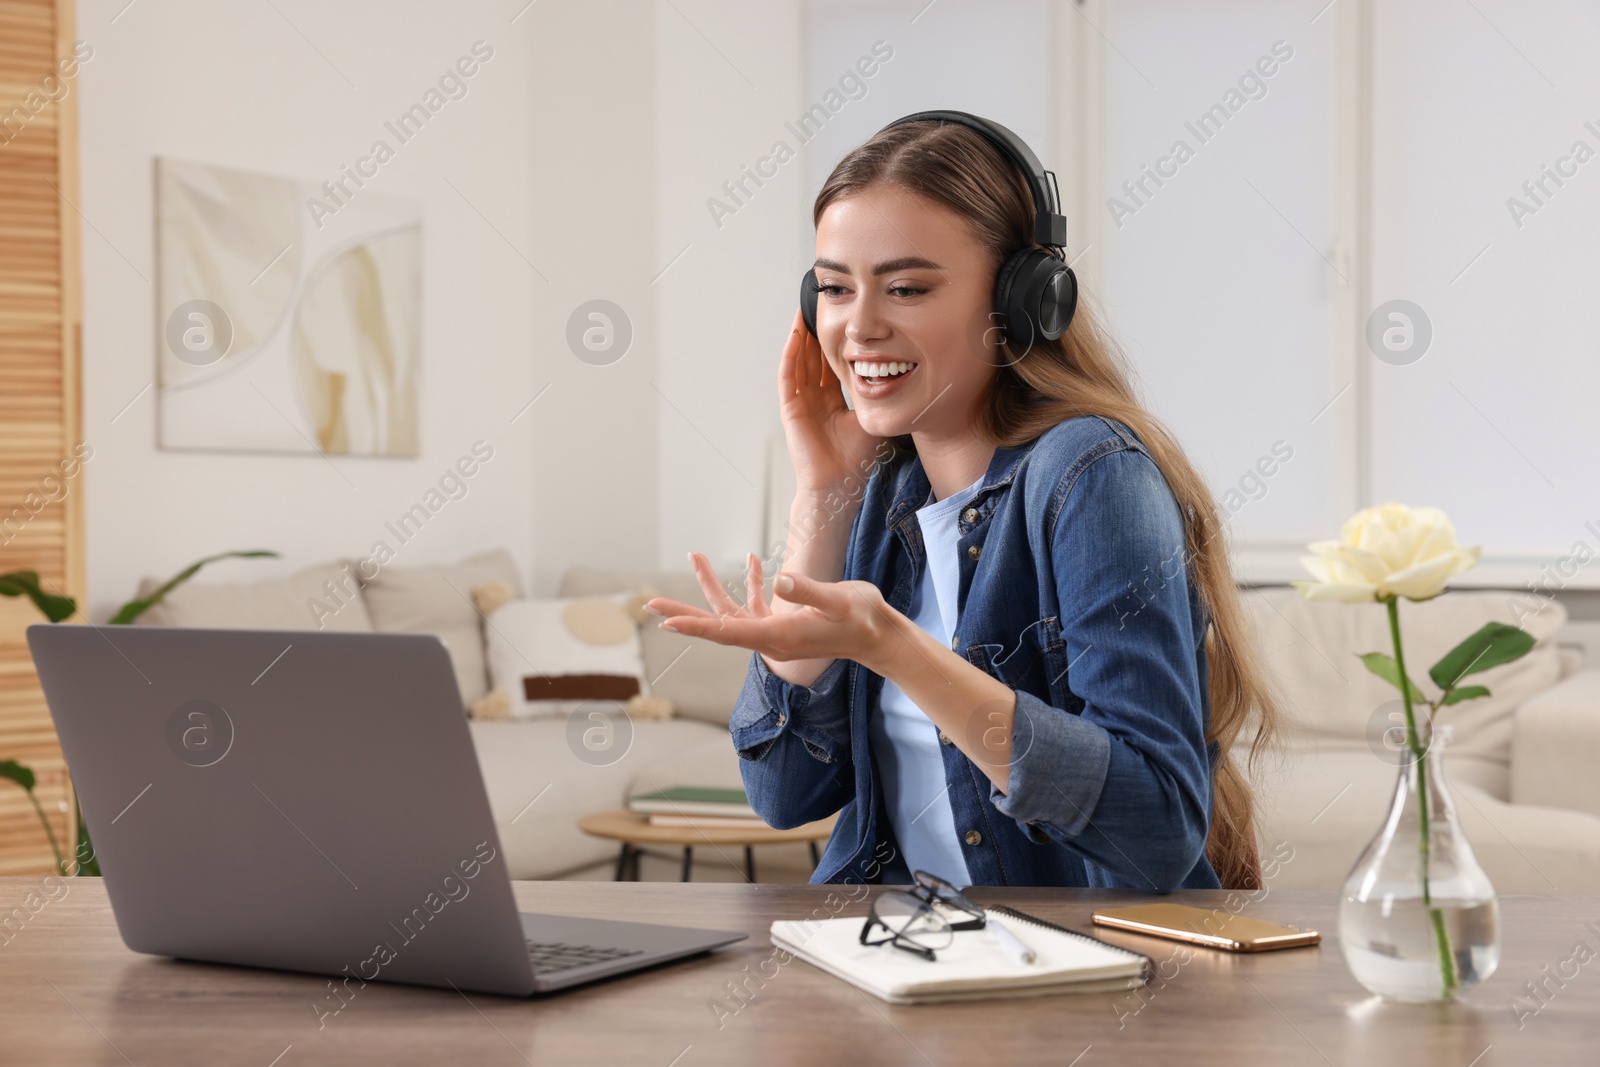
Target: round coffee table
[(633, 829)]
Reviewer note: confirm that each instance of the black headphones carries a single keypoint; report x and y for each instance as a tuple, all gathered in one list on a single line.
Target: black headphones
[(1035, 292)]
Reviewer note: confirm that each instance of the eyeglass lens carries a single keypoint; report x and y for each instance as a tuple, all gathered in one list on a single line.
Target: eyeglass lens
[(910, 918)]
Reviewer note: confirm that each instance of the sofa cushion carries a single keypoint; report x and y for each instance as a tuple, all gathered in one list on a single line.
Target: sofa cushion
[(550, 656), (438, 600), (701, 678), (1557, 746), (1332, 702), (317, 598)]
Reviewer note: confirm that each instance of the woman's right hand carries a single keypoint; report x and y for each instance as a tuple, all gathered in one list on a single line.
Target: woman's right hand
[(827, 444)]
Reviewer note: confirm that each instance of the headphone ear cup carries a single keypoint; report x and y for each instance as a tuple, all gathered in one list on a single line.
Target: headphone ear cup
[(1003, 309), (1037, 294), (808, 300), (1057, 300)]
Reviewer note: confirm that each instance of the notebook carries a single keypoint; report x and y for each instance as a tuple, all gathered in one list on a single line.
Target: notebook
[(973, 966)]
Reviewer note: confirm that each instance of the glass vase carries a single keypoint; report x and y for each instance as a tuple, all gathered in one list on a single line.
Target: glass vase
[(1418, 919)]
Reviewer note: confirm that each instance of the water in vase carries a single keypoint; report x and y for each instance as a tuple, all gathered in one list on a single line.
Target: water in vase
[(1391, 948)]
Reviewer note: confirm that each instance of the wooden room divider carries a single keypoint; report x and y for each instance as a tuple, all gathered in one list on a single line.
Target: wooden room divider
[(41, 433)]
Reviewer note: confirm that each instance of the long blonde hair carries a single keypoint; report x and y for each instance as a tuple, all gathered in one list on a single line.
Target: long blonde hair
[(1086, 373)]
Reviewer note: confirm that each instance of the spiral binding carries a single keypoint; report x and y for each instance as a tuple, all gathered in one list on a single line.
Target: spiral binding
[(1148, 967)]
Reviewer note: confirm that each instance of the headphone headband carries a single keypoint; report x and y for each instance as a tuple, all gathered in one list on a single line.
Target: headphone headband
[(1050, 226)]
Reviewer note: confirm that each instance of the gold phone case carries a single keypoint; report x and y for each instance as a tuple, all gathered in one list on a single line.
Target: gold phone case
[(1215, 928)]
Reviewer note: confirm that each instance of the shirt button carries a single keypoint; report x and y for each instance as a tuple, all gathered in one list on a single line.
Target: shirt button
[(971, 515), (973, 837), (782, 719), (955, 642), (944, 738), (972, 551)]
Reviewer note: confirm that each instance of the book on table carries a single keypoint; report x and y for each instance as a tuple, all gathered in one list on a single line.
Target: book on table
[(973, 966), (708, 822), (694, 800)]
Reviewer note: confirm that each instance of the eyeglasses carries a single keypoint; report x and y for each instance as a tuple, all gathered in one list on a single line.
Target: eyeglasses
[(922, 919)]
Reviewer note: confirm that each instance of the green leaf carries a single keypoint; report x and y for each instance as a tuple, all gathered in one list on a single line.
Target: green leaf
[(88, 862), (26, 583), (1470, 692), (1494, 644), (17, 773), (134, 608), (1384, 667)]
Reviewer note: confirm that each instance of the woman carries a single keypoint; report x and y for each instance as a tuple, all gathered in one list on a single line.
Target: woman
[(1017, 655)]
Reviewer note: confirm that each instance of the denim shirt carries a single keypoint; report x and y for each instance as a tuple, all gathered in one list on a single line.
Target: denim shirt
[(1076, 594)]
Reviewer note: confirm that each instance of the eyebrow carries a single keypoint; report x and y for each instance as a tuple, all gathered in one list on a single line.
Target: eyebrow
[(887, 267)]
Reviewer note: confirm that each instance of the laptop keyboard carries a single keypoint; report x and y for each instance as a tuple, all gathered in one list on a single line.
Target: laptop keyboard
[(548, 956)]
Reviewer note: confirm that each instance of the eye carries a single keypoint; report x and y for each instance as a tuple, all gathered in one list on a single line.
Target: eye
[(831, 290), (906, 290)]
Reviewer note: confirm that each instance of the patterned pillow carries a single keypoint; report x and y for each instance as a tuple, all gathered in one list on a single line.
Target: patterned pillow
[(550, 656)]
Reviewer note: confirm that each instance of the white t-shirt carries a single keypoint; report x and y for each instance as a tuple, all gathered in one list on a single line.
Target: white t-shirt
[(905, 742)]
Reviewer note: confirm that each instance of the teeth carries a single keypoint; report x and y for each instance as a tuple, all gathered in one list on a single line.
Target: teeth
[(881, 370)]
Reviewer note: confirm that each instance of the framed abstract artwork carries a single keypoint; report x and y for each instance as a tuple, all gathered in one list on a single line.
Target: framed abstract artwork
[(288, 314)]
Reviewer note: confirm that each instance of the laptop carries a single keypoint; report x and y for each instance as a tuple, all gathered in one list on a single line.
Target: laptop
[(308, 801)]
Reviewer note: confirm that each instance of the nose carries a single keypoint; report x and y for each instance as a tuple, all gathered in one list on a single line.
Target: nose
[(865, 322)]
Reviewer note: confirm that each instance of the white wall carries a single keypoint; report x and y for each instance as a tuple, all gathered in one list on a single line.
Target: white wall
[(552, 154), (594, 489), (730, 75)]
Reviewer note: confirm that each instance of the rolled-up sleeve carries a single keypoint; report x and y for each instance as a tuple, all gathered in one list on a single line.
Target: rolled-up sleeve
[(1127, 782), (794, 744)]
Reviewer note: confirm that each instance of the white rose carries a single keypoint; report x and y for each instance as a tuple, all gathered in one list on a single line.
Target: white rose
[(1389, 550)]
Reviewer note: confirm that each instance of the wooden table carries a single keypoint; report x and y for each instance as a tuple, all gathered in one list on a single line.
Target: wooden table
[(633, 829), (73, 994)]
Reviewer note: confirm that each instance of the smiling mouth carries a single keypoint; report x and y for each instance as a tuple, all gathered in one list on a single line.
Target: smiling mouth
[(873, 371)]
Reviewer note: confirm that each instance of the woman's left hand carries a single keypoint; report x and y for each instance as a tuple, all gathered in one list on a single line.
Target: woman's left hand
[(835, 619)]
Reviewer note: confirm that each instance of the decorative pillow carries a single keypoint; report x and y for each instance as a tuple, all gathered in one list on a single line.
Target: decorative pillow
[(549, 656), (496, 704), (701, 678)]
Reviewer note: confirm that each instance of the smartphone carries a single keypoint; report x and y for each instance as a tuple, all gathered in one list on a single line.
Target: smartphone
[(1213, 927)]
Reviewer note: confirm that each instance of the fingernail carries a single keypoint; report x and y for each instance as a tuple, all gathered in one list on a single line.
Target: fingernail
[(653, 611), (666, 626), (784, 584)]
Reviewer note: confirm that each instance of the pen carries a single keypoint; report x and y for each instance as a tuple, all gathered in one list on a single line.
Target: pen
[(1012, 943)]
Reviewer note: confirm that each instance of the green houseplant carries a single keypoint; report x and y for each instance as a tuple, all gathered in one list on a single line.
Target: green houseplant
[(57, 608)]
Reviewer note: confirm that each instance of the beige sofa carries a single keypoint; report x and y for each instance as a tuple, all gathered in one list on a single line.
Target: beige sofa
[(1520, 765)]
